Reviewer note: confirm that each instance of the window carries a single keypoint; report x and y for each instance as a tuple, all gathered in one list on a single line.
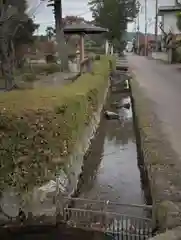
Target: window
[(178, 2)]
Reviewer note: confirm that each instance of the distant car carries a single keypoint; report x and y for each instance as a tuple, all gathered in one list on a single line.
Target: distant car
[(129, 46)]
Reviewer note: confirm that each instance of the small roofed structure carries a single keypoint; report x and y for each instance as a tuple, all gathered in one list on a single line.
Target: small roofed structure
[(82, 29)]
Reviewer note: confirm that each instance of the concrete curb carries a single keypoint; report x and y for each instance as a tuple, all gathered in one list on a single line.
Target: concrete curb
[(174, 234), (161, 163)]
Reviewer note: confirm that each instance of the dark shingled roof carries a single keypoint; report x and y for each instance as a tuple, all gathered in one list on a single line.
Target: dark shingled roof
[(165, 9), (83, 28)]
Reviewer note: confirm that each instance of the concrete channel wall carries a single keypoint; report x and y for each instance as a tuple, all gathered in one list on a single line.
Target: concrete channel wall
[(75, 160), (158, 162), (69, 175)]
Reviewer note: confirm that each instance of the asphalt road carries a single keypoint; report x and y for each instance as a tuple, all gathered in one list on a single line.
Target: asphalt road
[(162, 84)]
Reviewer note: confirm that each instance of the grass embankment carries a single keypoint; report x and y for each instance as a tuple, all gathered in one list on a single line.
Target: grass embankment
[(39, 127)]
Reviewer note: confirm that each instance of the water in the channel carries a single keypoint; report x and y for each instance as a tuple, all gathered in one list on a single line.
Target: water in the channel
[(111, 170)]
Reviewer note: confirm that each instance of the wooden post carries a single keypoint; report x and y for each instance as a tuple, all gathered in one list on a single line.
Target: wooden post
[(82, 54)]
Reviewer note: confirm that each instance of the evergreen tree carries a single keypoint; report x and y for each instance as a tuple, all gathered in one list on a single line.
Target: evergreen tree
[(113, 15), (16, 28)]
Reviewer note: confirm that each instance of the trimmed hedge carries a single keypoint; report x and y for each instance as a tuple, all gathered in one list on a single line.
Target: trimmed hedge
[(39, 127), (30, 71), (45, 68)]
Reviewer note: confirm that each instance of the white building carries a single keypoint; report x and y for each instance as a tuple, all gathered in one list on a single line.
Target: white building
[(168, 11)]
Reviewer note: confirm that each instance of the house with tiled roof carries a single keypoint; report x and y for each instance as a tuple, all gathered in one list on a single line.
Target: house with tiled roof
[(168, 25), (168, 12)]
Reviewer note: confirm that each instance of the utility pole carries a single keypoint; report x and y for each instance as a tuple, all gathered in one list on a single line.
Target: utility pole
[(138, 35), (59, 27), (62, 47), (134, 30), (146, 28), (58, 13), (138, 27), (156, 24)]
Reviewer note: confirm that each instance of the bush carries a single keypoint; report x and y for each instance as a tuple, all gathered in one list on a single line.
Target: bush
[(45, 68), (178, 15), (177, 55), (97, 57), (50, 58), (29, 77), (39, 127), (96, 50), (51, 68)]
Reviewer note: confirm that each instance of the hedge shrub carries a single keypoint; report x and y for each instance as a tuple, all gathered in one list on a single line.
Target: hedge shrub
[(29, 77), (48, 68), (39, 127)]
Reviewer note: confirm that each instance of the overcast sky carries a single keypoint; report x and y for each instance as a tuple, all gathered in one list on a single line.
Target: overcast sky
[(44, 15)]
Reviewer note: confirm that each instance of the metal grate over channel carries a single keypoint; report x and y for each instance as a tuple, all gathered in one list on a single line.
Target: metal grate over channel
[(115, 225)]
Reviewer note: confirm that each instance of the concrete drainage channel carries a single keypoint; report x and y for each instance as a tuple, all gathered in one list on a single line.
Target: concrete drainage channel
[(111, 196), (112, 173)]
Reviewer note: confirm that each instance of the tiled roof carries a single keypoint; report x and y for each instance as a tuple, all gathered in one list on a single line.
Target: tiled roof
[(83, 28), (163, 9)]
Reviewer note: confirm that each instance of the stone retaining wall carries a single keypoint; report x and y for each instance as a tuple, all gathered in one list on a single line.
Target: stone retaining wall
[(75, 160), (68, 176), (161, 163)]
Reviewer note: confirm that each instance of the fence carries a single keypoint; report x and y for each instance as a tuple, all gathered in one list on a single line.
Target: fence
[(99, 216)]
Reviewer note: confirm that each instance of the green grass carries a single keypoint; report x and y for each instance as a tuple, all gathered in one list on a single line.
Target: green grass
[(39, 127)]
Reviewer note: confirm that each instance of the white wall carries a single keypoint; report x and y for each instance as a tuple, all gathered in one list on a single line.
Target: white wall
[(170, 22), (166, 2)]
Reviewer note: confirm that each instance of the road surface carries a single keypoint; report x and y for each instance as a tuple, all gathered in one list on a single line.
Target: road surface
[(162, 84)]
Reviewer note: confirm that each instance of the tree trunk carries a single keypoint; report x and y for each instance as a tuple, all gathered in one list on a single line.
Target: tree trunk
[(62, 47), (62, 50), (7, 65)]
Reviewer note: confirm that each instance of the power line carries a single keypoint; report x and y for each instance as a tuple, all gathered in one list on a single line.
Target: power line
[(77, 15), (34, 10)]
